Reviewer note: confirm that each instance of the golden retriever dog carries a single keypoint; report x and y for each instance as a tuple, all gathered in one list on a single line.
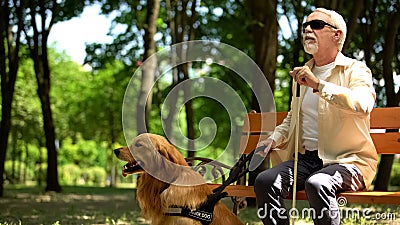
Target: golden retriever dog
[(153, 156)]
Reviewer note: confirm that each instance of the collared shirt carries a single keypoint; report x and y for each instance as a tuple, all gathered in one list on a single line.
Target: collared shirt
[(346, 98)]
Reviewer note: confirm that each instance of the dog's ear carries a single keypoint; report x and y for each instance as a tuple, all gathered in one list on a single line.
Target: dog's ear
[(171, 153)]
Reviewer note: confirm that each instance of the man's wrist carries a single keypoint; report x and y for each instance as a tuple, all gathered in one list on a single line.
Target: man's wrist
[(316, 88)]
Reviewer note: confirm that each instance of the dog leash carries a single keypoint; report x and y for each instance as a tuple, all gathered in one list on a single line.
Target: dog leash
[(237, 171), (205, 212)]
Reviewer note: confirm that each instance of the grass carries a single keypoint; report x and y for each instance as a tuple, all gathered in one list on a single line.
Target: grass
[(76, 205), (102, 205)]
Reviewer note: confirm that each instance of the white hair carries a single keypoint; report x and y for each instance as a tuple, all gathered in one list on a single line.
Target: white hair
[(337, 21)]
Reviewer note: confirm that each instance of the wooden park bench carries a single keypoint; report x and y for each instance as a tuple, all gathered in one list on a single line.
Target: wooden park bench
[(385, 143)]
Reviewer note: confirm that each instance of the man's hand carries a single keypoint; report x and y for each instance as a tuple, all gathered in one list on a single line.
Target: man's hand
[(262, 150), (263, 147), (304, 76)]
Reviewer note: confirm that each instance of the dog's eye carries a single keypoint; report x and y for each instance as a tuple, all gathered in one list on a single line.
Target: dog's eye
[(138, 144)]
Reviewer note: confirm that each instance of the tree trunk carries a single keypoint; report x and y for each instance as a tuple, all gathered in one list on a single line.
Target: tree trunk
[(182, 28), (43, 78), (358, 7), (173, 100), (188, 22), (9, 51), (171, 104), (5, 127), (39, 55), (149, 71), (189, 115), (393, 98), (265, 35)]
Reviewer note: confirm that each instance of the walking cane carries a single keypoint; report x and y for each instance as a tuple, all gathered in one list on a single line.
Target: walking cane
[(296, 147)]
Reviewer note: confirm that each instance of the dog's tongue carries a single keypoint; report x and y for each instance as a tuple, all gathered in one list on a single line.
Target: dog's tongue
[(129, 168)]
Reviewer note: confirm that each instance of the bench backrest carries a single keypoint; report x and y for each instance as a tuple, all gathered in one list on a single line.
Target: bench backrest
[(258, 126)]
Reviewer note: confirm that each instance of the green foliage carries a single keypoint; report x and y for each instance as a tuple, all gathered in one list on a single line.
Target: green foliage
[(281, 90), (102, 101), (69, 174), (26, 109), (224, 27), (25, 159), (17, 169), (127, 46), (395, 175), (83, 153), (87, 115), (97, 176)]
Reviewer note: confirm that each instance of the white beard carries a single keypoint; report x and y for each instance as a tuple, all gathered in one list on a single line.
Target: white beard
[(310, 47)]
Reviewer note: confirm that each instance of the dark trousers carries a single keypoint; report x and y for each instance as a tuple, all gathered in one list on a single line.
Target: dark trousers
[(321, 184)]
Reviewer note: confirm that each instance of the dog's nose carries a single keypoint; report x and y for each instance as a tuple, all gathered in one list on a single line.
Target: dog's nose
[(117, 151)]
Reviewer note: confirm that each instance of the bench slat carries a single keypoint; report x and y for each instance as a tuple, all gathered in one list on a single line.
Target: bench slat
[(249, 142), (386, 143), (372, 197), (237, 190), (385, 118), (381, 118), (262, 122)]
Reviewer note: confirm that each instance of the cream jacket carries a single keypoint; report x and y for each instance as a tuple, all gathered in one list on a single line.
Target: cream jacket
[(346, 99)]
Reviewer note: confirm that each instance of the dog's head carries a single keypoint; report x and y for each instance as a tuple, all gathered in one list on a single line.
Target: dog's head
[(149, 153)]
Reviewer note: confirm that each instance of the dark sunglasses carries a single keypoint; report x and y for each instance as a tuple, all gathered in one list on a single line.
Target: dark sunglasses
[(316, 25)]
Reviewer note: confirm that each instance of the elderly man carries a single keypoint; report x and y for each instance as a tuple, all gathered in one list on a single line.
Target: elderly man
[(336, 152)]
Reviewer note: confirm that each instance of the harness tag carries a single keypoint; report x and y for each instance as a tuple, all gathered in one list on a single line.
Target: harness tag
[(201, 215)]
